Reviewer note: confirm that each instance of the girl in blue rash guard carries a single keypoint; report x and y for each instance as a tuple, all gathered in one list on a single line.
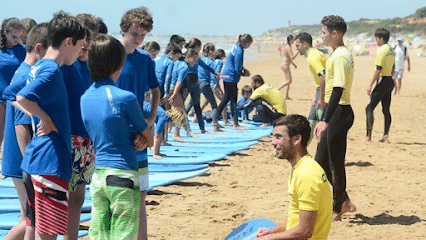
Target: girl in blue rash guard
[(180, 72), (192, 83), (12, 54), (164, 70), (205, 77), (231, 75)]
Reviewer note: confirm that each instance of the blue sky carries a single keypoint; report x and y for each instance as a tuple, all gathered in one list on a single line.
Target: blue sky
[(218, 17)]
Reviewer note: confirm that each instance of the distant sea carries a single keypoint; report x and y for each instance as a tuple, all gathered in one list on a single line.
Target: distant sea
[(220, 43)]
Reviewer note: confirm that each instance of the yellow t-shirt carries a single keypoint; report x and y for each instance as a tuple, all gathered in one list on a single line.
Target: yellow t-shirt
[(339, 72), (316, 62), (271, 95), (385, 58), (310, 190)]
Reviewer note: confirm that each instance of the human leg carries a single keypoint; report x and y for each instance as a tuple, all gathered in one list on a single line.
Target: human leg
[(143, 186), (18, 231), (386, 102), (287, 73), (337, 130), (83, 167)]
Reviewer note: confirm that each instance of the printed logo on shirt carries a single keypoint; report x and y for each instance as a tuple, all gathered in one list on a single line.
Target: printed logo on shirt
[(110, 99), (33, 72), (324, 177)]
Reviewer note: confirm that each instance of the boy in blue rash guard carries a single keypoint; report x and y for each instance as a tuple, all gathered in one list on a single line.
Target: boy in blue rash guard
[(112, 117), (77, 80), (137, 75), (164, 69), (246, 92), (180, 72), (47, 163), (231, 75), (12, 54), (18, 124)]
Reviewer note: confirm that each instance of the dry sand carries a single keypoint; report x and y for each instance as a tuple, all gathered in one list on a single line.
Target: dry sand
[(385, 181)]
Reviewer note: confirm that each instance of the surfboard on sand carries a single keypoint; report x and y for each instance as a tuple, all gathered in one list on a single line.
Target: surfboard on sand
[(247, 230)]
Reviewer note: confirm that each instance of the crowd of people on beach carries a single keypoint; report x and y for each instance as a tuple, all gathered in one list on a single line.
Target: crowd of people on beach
[(76, 104)]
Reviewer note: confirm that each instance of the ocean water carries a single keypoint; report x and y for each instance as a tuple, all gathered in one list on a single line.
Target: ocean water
[(220, 43)]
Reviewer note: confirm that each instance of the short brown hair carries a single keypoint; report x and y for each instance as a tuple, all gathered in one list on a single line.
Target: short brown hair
[(89, 21), (296, 124), (137, 17), (28, 23), (38, 34), (106, 56), (334, 22)]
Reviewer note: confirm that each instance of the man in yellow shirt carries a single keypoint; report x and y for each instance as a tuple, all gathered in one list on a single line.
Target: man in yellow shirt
[(338, 117), (310, 209), (316, 63), (269, 102), (385, 67)]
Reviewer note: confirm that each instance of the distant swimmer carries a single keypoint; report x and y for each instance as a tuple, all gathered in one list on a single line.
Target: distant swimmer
[(385, 62), (288, 58), (401, 54)]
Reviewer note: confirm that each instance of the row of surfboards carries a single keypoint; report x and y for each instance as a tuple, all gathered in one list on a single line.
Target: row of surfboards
[(179, 161)]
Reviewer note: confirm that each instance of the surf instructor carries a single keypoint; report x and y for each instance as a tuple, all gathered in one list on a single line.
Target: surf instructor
[(310, 208)]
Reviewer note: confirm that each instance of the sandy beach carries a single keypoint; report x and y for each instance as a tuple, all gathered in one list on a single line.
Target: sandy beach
[(385, 181)]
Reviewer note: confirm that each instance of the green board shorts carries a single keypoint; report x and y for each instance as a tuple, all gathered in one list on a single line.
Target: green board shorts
[(115, 204)]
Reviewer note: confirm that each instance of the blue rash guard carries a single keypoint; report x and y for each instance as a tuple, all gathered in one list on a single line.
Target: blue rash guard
[(111, 115), (10, 60), (234, 65)]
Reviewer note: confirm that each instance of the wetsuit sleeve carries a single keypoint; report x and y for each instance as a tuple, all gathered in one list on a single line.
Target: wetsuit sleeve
[(204, 65), (248, 104), (332, 104), (135, 115), (168, 79)]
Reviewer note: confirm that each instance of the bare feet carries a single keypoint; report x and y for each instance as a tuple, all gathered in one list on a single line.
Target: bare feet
[(204, 132), (178, 139), (216, 128), (164, 143), (265, 125), (191, 134), (2, 177), (157, 157), (227, 124), (385, 139), (238, 127), (346, 207), (367, 140)]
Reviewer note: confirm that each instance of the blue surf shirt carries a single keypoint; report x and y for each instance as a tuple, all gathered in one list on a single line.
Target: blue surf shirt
[(234, 64), (10, 60)]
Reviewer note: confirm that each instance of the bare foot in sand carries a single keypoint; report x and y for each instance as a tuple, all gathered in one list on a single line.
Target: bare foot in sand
[(385, 139), (346, 207), (191, 134), (178, 139), (238, 127), (367, 140), (157, 157)]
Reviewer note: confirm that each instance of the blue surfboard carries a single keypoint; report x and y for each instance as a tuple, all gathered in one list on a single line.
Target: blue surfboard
[(247, 230), (9, 220), (187, 159), (175, 167)]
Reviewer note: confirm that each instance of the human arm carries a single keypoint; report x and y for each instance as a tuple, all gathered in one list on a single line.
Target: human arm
[(266, 231), (303, 230), (321, 103), (46, 124), (331, 108), (155, 100)]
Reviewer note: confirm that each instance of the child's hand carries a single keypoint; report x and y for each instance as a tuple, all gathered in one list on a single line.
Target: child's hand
[(139, 142), (46, 127)]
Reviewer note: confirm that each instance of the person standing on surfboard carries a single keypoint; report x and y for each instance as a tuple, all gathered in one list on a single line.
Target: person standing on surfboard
[(310, 208)]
